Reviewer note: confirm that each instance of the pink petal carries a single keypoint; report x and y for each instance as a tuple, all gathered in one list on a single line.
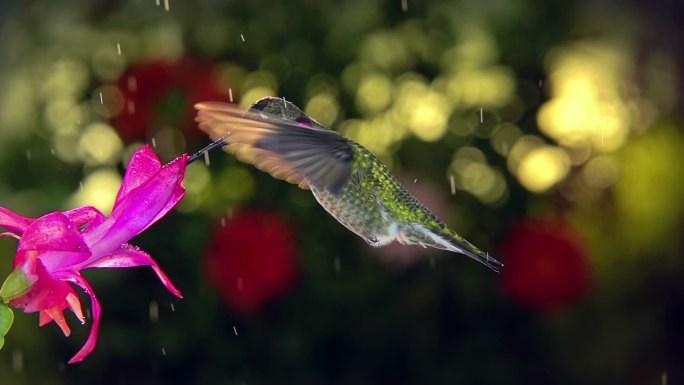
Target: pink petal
[(88, 216), (75, 306), (179, 190), (47, 292), (130, 256), (139, 208), (143, 165), (44, 318), (90, 343), (84, 215), (6, 234), (58, 241), (56, 315), (13, 221)]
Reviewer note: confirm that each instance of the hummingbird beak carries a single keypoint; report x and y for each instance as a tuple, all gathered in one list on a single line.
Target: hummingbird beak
[(202, 153)]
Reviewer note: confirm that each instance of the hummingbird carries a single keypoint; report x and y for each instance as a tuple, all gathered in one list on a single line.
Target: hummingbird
[(344, 177)]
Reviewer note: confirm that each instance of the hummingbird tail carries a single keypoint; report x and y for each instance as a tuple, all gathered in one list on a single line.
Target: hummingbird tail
[(462, 246), (445, 239)]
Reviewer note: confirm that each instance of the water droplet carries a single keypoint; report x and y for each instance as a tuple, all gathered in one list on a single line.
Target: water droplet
[(17, 361), (154, 311)]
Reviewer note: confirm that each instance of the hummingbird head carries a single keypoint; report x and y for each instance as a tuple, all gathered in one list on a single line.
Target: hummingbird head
[(282, 109)]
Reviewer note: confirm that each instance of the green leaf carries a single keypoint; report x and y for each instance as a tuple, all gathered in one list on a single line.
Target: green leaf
[(6, 319), (16, 284)]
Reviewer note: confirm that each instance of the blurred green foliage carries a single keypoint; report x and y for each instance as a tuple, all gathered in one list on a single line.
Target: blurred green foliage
[(564, 110)]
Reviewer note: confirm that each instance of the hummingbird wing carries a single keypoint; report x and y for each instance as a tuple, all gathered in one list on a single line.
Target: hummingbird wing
[(294, 151)]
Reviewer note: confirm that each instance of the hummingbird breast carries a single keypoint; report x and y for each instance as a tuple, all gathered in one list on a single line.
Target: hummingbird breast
[(367, 204), (364, 215)]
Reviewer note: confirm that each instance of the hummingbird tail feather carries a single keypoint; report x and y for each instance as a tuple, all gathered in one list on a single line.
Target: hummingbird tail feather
[(462, 246), (420, 235)]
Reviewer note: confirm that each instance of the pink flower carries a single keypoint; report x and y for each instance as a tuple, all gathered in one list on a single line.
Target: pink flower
[(54, 248)]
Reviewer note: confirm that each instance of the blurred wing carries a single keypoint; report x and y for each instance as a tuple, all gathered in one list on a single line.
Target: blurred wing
[(302, 155)]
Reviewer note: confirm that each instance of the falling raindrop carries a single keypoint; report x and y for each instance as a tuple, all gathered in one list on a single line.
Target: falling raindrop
[(481, 116), (235, 330), (415, 180), (101, 98), (154, 311), (453, 184), (206, 158), (163, 351), (17, 361), (118, 48), (230, 95), (154, 143), (166, 5), (242, 37), (173, 308), (132, 84), (404, 5), (223, 222)]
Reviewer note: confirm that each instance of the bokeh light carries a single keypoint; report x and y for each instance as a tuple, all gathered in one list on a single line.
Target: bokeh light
[(590, 104), (98, 189), (510, 120), (99, 145)]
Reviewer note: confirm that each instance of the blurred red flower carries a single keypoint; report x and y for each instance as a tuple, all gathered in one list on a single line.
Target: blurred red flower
[(546, 265), (159, 94), (252, 259)]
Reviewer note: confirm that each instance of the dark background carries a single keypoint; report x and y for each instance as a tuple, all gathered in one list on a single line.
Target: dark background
[(559, 122)]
